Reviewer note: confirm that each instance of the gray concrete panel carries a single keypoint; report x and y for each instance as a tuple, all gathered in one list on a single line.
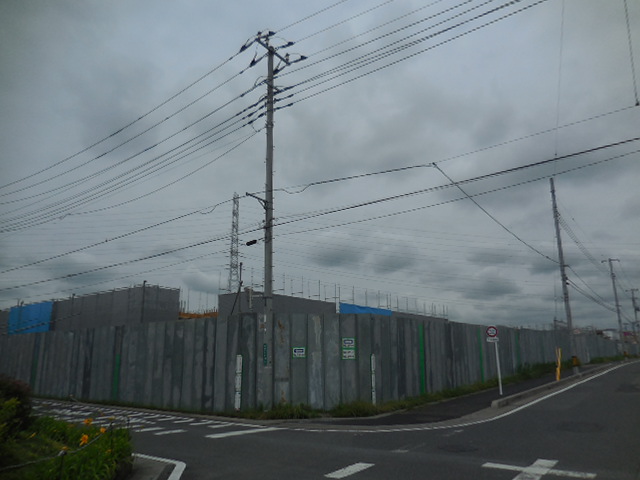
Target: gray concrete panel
[(186, 400), (177, 364), (299, 362), (167, 364), (282, 359), (348, 360), (233, 338), (332, 372), (315, 361), (247, 349), (220, 365), (208, 366), (197, 384), (365, 339)]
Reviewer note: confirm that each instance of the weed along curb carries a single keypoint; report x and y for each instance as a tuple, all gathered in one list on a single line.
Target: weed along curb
[(503, 402)]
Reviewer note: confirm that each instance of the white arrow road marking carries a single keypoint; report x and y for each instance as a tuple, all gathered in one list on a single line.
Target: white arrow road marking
[(350, 470), (241, 432), (538, 469)]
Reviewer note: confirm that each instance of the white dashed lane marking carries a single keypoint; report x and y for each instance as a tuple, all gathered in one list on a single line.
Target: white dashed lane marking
[(236, 433), (350, 470)]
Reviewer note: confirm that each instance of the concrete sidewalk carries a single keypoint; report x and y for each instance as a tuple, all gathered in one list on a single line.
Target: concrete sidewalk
[(146, 467)]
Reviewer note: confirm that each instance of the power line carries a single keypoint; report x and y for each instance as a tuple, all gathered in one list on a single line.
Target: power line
[(121, 129), (378, 57), (504, 227)]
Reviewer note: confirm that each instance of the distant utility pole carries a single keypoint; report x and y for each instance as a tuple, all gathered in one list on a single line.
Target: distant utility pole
[(563, 276), (265, 381), (635, 312), (615, 296)]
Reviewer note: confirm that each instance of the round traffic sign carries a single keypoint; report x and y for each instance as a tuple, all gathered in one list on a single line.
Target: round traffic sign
[(492, 331)]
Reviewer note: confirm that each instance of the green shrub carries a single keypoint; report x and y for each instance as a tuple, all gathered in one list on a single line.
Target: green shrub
[(12, 388), (8, 409), (90, 452)]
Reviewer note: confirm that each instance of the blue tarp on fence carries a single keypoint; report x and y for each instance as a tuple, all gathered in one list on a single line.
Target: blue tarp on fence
[(30, 318), (350, 308)]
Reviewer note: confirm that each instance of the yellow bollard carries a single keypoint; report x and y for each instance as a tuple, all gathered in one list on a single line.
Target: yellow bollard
[(558, 362)]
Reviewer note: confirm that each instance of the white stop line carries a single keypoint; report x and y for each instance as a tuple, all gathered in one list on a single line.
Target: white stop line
[(537, 469)]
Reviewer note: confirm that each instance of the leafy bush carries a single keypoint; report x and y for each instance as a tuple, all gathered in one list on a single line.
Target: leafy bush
[(12, 388), (65, 451), (8, 409)]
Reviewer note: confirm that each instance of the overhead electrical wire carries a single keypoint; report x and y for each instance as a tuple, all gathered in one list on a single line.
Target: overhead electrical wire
[(375, 57), (339, 209), (47, 214), (156, 144), (118, 237), (492, 217), (121, 129)]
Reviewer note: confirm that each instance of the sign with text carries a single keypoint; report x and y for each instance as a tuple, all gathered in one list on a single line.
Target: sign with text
[(348, 348)]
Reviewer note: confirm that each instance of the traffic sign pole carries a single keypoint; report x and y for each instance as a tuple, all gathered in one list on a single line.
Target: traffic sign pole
[(492, 337)]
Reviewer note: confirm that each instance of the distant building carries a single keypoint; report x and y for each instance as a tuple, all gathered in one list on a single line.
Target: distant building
[(252, 301), (126, 306)]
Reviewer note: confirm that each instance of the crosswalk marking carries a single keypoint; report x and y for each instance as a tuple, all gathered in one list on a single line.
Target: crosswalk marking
[(220, 425), (350, 470), (235, 433), (169, 432), (148, 429)]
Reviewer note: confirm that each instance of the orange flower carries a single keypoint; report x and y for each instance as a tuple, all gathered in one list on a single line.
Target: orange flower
[(88, 421), (102, 430), (84, 439)]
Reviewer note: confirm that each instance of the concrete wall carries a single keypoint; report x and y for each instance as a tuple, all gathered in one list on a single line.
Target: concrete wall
[(117, 307), (250, 301), (319, 360)]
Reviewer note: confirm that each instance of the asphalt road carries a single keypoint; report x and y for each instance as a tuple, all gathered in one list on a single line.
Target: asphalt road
[(589, 429)]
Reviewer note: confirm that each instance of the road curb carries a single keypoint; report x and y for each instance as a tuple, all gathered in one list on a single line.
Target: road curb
[(503, 402)]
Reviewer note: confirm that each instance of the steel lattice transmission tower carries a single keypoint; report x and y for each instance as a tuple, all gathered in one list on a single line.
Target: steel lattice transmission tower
[(234, 265)]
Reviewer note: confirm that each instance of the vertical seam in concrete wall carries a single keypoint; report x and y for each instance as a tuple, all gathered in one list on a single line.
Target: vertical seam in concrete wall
[(34, 361), (423, 366), (117, 354), (481, 355)]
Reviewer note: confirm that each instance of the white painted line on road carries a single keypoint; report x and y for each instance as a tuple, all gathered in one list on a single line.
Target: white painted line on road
[(169, 432), (220, 425), (538, 469), (178, 469), (430, 427), (148, 429), (350, 470), (235, 433), (184, 420), (197, 424)]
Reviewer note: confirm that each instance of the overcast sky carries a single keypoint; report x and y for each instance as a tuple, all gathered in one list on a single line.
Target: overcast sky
[(126, 129)]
